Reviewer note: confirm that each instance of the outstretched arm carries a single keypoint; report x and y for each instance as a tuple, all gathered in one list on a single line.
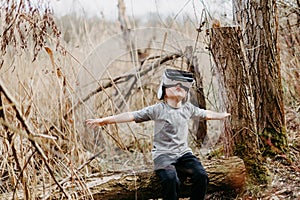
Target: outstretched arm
[(120, 118), (212, 115)]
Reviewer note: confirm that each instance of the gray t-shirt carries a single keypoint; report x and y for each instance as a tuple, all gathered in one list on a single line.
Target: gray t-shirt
[(170, 130)]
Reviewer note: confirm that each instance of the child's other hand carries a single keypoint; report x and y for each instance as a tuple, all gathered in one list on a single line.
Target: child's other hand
[(95, 122), (226, 114)]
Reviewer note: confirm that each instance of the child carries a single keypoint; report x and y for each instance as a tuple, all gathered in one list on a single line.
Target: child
[(173, 159)]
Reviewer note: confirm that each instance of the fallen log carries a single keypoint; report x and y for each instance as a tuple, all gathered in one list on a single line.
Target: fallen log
[(224, 175)]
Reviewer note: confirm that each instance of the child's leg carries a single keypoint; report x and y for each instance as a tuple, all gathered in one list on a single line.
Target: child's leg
[(190, 166), (169, 181)]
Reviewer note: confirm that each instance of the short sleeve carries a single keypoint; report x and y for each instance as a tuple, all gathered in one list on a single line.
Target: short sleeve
[(146, 114), (197, 112)]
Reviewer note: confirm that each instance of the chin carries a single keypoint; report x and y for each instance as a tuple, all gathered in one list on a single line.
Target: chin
[(180, 97)]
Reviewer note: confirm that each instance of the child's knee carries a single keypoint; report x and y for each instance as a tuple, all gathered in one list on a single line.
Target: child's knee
[(200, 177), (168, 175)]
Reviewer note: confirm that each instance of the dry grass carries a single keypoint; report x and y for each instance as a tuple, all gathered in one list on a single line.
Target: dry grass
[(51, 154)]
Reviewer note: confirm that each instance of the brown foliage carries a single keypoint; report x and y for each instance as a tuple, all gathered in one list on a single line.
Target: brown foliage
[(23, 21)]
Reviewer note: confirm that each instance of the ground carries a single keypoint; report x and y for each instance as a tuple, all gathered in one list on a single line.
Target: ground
[(285, 184), (285, 170)]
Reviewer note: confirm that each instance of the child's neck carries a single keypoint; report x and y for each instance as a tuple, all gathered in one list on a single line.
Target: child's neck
[(175, 103)]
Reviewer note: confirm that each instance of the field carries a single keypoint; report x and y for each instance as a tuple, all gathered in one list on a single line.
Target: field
[(99, 73)]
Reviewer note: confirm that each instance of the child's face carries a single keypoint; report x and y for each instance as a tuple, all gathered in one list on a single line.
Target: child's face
[(175, 92)]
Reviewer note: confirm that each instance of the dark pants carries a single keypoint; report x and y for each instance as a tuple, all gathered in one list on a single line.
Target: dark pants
[(186, 166)]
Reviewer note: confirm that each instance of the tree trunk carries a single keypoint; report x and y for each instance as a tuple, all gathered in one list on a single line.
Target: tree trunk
[(232, 66), (197, 98), (259, 21)]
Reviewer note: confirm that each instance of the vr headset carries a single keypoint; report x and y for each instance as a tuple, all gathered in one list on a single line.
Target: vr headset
[(173, 77)]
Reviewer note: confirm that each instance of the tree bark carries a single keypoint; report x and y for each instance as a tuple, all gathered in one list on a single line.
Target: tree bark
[(259, 21), (232, 67), (231, 64), (224, 174)]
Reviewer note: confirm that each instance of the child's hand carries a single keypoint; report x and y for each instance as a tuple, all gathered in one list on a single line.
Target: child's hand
[(212, 115), (95, 122), (226, 114)]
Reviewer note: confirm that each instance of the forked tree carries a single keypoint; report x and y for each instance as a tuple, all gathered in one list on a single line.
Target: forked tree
[(247, 60), (259, 21)]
